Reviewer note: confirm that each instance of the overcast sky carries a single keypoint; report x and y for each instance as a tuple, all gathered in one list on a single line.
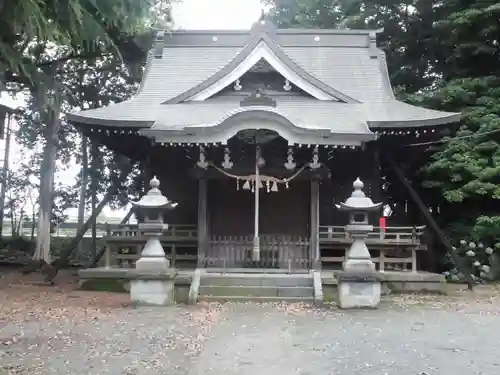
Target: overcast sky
[(216, 14)]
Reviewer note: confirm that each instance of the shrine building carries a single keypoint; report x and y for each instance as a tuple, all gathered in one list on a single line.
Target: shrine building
[(258, 135)]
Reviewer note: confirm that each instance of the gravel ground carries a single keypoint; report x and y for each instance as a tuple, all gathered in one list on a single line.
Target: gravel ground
[(63, 331)]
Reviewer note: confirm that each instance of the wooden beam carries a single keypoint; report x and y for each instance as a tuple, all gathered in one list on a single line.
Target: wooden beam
[(462, 266)]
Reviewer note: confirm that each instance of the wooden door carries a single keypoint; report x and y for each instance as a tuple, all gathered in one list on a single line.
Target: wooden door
[(230, 211), (286, 212)]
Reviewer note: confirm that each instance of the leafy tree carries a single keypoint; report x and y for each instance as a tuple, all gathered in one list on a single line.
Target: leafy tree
[(38, 47), (465, 169), (406, 24), (85, 28)]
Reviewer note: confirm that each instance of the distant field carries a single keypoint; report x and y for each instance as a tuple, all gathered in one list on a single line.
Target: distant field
[(68, 229)]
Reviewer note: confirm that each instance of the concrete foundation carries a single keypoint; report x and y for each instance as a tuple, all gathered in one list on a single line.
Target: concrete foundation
[(352, 295), (358, 290), (152, 292), (118, 280)]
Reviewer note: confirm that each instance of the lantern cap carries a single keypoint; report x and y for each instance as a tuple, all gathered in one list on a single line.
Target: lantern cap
[(358, 201), (154, 198)]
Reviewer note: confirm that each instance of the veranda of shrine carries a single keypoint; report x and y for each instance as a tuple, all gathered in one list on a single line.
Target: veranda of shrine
[(258, 136)]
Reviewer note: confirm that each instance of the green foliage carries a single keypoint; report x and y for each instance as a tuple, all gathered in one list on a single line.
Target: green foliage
[(84, 27), (480, 258), (442, 54), (405, 23), (467, 167)]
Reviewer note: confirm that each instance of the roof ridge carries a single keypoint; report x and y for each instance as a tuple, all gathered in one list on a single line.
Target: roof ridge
[(166, 33)]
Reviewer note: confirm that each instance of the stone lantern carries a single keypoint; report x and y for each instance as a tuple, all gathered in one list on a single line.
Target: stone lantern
[(358, 283), (152, 281)]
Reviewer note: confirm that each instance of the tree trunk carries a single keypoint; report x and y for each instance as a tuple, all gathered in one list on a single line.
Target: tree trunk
[(461, 265), (68, 250), (5, 172), (102, 250), (42, 249), (33, 224), (83, 188)]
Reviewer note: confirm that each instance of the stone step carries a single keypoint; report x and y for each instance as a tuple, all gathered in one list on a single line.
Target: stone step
[(277, 280), (257, 291), (223, 299)]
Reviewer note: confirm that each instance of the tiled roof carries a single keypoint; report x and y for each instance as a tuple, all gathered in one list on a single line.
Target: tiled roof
[(304, 112), (345, 61)]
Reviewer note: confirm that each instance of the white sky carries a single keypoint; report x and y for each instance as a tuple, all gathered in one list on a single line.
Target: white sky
[(189, 14), (216, 14)]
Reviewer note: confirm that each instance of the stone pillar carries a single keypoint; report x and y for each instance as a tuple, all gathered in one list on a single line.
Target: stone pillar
[(358, 282), (152, 280)]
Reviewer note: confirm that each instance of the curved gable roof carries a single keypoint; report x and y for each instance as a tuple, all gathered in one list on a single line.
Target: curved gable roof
[(262, 38)]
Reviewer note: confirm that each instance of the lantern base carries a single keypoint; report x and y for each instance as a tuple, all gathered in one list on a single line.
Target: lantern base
[(153, 282), (358, 290), (358, 257), (152, 292)]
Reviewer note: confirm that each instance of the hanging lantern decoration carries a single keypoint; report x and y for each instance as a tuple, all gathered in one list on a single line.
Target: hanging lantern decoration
[(202, 162), (290, 163), (274, 187), (315, 164), (268, 186), (246, 185), (227, 163)]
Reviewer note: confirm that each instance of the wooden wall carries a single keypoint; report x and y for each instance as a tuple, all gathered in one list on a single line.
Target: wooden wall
[(231, 212)]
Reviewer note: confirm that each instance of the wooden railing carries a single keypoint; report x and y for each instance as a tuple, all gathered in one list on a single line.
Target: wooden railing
[(125, 241), (276, 251), (394, 248), (175, 232), (389, 236)]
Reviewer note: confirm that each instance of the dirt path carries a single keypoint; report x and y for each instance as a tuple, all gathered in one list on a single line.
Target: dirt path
[(60, 330)]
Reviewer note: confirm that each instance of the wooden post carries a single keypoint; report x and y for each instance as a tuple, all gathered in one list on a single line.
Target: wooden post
[(314, 243), (425, 211), (202, 221), (413, 260), (93, 184), (381, 264)]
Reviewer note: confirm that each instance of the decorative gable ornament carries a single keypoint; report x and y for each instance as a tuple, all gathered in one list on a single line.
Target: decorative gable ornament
[(262, 47), (237, 85), (287, 86), (258, 98)]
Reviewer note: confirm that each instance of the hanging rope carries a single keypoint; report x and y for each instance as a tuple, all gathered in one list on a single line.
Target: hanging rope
[(264, 178)]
